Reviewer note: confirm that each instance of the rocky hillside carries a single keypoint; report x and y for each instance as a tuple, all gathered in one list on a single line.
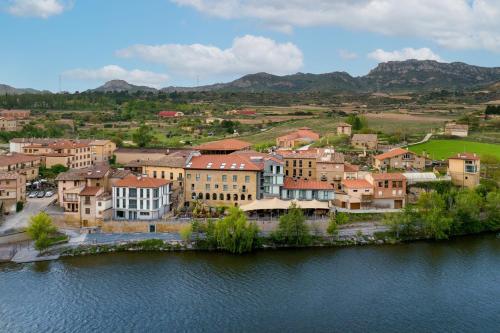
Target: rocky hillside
[(120, 85), (5, 89)]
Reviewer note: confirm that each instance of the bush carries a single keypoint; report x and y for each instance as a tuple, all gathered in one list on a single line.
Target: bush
[(292, 228), (40, 230), (186, 232), (234, 233)]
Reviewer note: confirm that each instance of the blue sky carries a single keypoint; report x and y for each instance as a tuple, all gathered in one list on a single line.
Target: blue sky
[(182, 42)]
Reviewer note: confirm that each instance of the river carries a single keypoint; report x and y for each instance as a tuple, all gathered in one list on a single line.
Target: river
[(451, 286)]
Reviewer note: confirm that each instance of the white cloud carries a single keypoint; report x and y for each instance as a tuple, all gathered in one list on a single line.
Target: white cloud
[(113, 72), (404, 54), (36, 8), (247, 54), (461, 24), (347, 55)]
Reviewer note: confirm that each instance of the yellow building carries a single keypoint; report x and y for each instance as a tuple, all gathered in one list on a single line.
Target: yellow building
[(399, 158), (20, 163), (222, 180), (102, 150), (72, 154), (8, 124), (464, 169), (12, 191), (300, 164)]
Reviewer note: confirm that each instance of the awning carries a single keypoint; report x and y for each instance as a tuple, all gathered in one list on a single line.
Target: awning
[(275, 203)]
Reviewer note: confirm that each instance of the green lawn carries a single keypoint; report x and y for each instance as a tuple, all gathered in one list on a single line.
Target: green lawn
[(442, 149)]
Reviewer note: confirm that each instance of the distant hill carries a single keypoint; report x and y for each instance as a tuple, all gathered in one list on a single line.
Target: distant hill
[(120, 85), (393, 76), (5, 89)]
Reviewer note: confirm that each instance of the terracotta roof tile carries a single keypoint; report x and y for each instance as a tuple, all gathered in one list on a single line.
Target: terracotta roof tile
[(356, 183), (231, 162), (301, 184), (141, 182), (388, 176), (90, 191), (393, 153), (351, 167), (464, 156), (15, 158)]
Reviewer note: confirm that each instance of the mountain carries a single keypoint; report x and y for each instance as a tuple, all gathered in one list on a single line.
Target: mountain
[(120, 85), (416, 75), (5, 89)]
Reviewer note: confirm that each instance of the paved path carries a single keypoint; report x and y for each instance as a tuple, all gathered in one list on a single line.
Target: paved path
[(29, 254), (425, 139), (102, 238), (21, 219)]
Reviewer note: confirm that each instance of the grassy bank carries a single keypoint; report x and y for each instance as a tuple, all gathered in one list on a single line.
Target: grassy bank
[(442, 149)]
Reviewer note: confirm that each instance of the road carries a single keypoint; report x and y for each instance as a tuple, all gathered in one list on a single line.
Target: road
[(21, 219)]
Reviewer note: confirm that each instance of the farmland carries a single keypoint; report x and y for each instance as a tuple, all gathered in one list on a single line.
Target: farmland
[(442, 149)]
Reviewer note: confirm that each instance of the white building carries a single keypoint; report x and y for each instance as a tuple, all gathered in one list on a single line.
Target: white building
[(141, 198)]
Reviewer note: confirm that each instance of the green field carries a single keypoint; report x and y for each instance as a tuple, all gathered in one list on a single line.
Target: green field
[(442, 149)]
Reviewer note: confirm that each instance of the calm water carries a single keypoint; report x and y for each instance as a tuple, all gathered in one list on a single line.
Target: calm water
[(420, 287)]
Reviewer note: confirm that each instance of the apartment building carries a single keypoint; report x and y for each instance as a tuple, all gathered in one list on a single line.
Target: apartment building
[(389, 190), (222, 180), (330, 167), (300, 164), (365, 141), (223, 147), (16, 145), (464, 169), (20, 163), (12, 191), (399, 158), (302, 136), (272, 175), (356, 194), (137, 198), (72, 154), (301, 189), (102, 150), (344, 129), (8, 124)]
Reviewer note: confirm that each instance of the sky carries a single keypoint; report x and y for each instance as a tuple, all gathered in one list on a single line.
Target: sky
[(80, 44)]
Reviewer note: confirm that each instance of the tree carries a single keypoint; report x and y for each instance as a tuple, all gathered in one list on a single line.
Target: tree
[(234, 233), (292, 228), (142, 136), (40, 229), (403, 224), (466, 211), (492, 210), (435, 221)]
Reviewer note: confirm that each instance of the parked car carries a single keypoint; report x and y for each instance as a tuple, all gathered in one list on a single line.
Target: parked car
[(48, 194), (40, 194), (33, 194)]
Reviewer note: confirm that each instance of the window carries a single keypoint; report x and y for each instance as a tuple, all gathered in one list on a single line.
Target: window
[(235, 178), (207, 196), (242, 197), (294, 163), (144, 213), (214, 196), (197, 177), (154, 174), (171, 176), (355, 190), (163, 174), (156, 193), (209, 178), (207, 187), (310, 164), (286, 172), (221, 196), (235, 186), (99, 204), (286, 163), (155, 204), (188, 176), (224, 187), (87, 200), (120, 214), (216, 186), (224, 178), (249, 197), (132, 192), (132, 204), (247, 179), (386, 183), (310, 173), (87, 211)]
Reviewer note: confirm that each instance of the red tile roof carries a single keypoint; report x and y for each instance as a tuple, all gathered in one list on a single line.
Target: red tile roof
[(15, 158), (393, 153), (303, 132), (231, 162), (140, 182), (464, 156), (388, 176), (301, 184), (167, 114), (90, 191), (356, 183), (351, 167), (227, 144)]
